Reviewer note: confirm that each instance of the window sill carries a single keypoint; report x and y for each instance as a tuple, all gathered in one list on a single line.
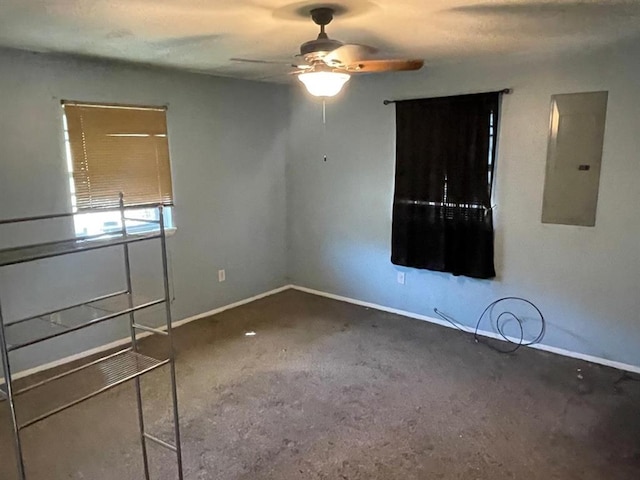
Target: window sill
[(169, 232)]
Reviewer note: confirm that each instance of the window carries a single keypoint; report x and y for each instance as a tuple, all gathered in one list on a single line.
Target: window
[(111, 150), (445, 161)]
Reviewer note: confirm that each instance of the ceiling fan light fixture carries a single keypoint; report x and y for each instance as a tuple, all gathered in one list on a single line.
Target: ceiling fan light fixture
[(324, 84)]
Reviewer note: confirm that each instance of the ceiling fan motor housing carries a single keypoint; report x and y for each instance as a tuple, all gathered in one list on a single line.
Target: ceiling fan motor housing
[(321, 16), (319, 45)]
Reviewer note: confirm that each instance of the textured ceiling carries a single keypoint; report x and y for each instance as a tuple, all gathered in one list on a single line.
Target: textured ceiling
[(202, 35)]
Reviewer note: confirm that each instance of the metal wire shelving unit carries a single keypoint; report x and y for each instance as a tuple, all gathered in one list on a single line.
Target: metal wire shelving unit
[(107, 372)]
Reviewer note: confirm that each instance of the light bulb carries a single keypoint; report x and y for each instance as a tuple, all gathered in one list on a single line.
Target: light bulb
[(324, 84)]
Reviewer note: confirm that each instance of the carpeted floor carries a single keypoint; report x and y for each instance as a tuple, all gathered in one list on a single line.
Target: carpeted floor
[(327, 390)]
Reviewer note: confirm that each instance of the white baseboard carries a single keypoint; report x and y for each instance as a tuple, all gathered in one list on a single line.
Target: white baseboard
[(484, 333), (231, 305), (404, 313), (125, 341)]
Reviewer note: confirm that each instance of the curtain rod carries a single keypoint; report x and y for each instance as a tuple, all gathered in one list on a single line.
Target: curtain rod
[(504, 91)]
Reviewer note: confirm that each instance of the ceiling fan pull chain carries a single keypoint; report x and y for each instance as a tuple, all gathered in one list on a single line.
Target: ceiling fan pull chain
[(324, 129), (324, 112)]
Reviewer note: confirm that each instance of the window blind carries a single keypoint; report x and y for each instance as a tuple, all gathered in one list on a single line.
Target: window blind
[(118, 149)]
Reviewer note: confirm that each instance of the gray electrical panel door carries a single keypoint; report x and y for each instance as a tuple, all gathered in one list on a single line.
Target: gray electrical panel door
[(574, 155)]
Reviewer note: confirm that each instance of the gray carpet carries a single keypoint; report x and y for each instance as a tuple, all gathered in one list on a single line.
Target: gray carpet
[(327, 390)]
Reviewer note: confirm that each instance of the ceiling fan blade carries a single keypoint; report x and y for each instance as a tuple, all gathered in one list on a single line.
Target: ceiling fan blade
[(377, 66), (251, 60), (348, 54)]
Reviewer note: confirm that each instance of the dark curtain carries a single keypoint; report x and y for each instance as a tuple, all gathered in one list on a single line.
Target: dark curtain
[(445, 153)]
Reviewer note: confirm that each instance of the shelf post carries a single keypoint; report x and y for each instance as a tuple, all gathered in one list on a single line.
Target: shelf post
[(6, 369), (172, 362), (134, 341)]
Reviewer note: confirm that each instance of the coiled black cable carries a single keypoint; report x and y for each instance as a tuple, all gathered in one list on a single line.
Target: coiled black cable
[(500, 320)]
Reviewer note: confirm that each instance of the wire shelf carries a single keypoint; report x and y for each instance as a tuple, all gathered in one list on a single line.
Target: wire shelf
[(48, 397), (28, 253), (28, 331), (39, 400)]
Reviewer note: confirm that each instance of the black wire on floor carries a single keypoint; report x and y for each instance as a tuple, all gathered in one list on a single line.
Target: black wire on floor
[(500, 321)]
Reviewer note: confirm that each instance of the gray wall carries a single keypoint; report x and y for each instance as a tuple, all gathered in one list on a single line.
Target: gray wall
[(586, 280), (228, 145), (326, 225)]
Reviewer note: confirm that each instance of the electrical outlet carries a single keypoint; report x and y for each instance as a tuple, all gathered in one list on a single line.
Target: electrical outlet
[(222, 276), (401, 278)]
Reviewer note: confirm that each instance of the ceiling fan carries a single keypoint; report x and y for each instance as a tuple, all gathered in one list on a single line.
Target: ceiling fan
[(329, 64)]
